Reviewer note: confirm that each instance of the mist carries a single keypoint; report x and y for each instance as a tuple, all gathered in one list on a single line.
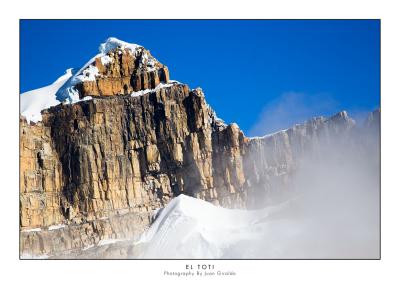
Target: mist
[(329, 208), (332, 208), (290, 108)]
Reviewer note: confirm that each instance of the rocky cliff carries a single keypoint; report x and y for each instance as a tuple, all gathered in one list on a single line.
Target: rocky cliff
[(95, 169)]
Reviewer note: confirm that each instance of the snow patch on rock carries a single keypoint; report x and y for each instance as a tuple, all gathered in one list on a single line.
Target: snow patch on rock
[(109, 241), (105, 60), (56, 227), (158, 87), (32, 230)]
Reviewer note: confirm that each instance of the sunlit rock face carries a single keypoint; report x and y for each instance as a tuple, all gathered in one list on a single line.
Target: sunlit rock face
[(96, 169), (122, 71)]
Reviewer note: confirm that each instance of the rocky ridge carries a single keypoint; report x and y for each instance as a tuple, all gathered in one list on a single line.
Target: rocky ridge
[(96, 169)]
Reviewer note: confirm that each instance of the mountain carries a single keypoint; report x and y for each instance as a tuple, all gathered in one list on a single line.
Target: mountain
[(105, 146)]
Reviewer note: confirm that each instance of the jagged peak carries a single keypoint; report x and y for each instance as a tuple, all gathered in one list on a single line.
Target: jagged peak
[(101, 66), (373, 114), (113, 43), (341, 117), (117, 61), (198, 91), (373, 118)]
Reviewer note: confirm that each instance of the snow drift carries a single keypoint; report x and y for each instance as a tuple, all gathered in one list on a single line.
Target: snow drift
[(189, 228), (192, 228)]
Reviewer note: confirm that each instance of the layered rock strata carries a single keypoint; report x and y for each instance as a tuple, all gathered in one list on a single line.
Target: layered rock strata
[(123, 71), (97, 169)]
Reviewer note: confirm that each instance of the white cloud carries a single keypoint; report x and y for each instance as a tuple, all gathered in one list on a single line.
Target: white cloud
[(291, 108)]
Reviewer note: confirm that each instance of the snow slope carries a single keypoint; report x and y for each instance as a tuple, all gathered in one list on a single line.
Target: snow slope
[(300, 228), (32, 102), (192, 228)]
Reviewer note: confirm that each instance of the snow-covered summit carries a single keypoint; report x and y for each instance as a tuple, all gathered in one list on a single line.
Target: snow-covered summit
[(65, 90), (113, 43), (89, 72)]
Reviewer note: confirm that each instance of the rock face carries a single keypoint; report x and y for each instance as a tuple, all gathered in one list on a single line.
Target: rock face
[(125, 155), (96, 169), (271, 161), (123, 71)]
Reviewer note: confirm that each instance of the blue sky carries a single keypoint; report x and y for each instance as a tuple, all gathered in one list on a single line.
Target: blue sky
[(263, 75)]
